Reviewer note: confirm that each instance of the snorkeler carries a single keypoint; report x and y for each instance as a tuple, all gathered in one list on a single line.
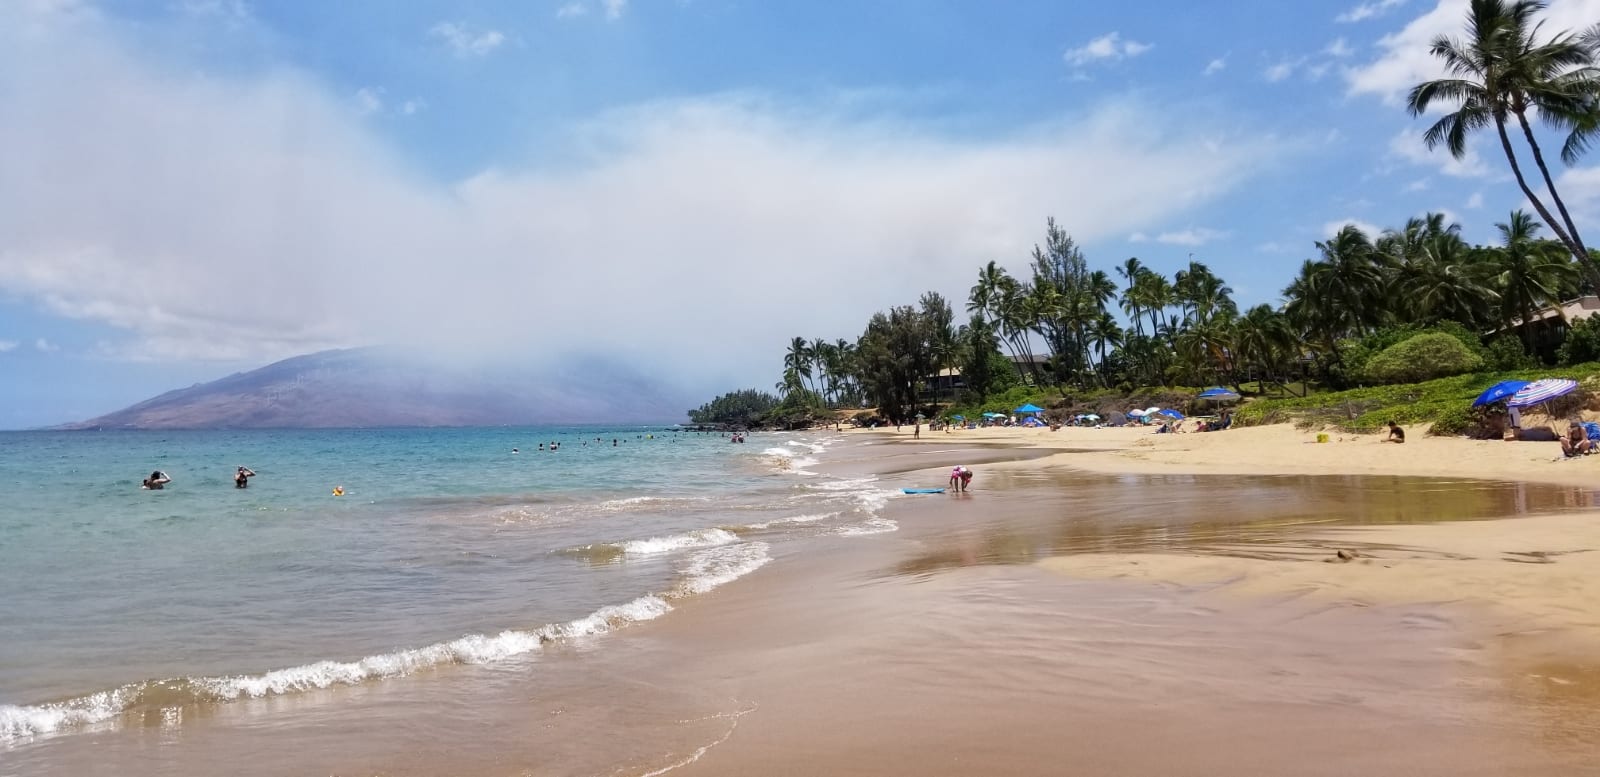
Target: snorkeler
[(157, 481), (241, 479)]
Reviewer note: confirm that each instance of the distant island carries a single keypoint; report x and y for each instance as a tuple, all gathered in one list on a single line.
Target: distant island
[(378, 387)]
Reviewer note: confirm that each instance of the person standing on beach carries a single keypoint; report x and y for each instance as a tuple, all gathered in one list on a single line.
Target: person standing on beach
[(241, 479)]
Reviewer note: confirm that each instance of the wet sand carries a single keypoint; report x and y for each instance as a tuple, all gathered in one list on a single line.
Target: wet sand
[(1003, 632)]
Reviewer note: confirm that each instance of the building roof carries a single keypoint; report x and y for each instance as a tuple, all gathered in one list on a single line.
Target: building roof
[(1574, 310)]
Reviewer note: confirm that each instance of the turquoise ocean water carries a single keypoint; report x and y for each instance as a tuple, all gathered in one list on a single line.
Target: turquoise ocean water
[(447, 548)]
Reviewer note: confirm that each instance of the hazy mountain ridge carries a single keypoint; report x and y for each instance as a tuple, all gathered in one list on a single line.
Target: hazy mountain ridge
[(370, 387)]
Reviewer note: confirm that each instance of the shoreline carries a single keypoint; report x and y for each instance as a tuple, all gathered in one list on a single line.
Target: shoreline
[(1530, 571), (972, 632)]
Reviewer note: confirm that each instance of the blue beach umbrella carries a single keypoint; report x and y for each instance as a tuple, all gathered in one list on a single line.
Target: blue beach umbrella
[(1498, 391), (1218, 393), (1170, 413), (1029, 408), (1541, 391)]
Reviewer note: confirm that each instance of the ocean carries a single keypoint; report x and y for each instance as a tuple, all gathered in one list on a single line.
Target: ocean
[(126, 607)]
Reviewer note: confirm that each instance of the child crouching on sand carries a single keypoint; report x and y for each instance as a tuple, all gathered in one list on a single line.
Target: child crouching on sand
[(960, 477)]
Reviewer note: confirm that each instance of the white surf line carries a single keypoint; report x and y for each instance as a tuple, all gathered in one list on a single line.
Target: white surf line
[(695, 756)]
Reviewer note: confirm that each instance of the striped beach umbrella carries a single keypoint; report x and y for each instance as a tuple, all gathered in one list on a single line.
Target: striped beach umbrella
[(1541, 391)]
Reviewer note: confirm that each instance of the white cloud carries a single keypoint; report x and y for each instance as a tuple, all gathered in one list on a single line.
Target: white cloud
[(1332, 228), (1580, 187), (644, 241), (1338, 49), (8, 345), (1215, 66), (1272, 247), (45, 346), (1138, 237), (412, 106), (1109, 46), (232, 12), (571, 11), (1475, 201), (1404, 60), (466, 41), (1191, 237), (614, 8), (1408, 145), (1282, 70), (1421, 184), (1368, 10), (369, 100)]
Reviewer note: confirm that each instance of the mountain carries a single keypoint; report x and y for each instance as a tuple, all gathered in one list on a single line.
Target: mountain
[(376, 387)]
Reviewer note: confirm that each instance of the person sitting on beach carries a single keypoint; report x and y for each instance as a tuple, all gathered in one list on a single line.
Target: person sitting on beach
[(1576, 443), (1396, 434), (157, 481), (241, 478)]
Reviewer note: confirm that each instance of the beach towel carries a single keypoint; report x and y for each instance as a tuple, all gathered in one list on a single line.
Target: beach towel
[(1591, 429)]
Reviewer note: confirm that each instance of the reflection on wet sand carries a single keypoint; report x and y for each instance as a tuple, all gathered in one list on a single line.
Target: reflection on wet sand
[(1053, 513)]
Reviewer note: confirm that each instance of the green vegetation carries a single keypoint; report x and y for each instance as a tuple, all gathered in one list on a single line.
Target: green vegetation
[(1420, 358), (1446, 403), (1409, 304), (741, 409)]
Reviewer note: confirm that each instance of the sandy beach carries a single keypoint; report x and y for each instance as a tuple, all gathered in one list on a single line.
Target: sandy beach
[(1434, 610)]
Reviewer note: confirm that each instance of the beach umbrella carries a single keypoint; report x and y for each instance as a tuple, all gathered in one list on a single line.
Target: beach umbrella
[(1219, 394), (959, 417), (1499, 391), (1029, 408), (1170, 413), (994, 415), (1136, 413), (1541, 391)]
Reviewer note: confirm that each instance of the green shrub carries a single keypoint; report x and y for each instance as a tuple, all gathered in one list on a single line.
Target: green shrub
[(1582, 343), (1423, 357), (1505, 353)]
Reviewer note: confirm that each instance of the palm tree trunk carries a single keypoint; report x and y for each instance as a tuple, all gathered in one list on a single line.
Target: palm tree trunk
[(1555, 226), (1544, 170)]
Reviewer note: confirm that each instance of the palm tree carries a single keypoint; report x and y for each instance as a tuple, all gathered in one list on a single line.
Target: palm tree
[(1103, 332), (1131, 270), (993, 291), (1438, 286), (1502, 71), (797, 360), (1344, 292), (1527, 276)]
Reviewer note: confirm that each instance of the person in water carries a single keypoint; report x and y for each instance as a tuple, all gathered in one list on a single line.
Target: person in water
[(1396, 434), (241, 479), (157, 481)]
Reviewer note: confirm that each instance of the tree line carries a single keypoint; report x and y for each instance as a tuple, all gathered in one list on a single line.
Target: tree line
[(1058, 324)]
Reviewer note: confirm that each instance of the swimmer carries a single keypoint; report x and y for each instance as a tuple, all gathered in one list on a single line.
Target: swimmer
[(514, 450), (157, 481), (338, 490), (241, 478)]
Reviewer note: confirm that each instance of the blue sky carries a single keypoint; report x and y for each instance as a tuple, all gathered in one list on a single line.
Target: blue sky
[(196, 187)]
